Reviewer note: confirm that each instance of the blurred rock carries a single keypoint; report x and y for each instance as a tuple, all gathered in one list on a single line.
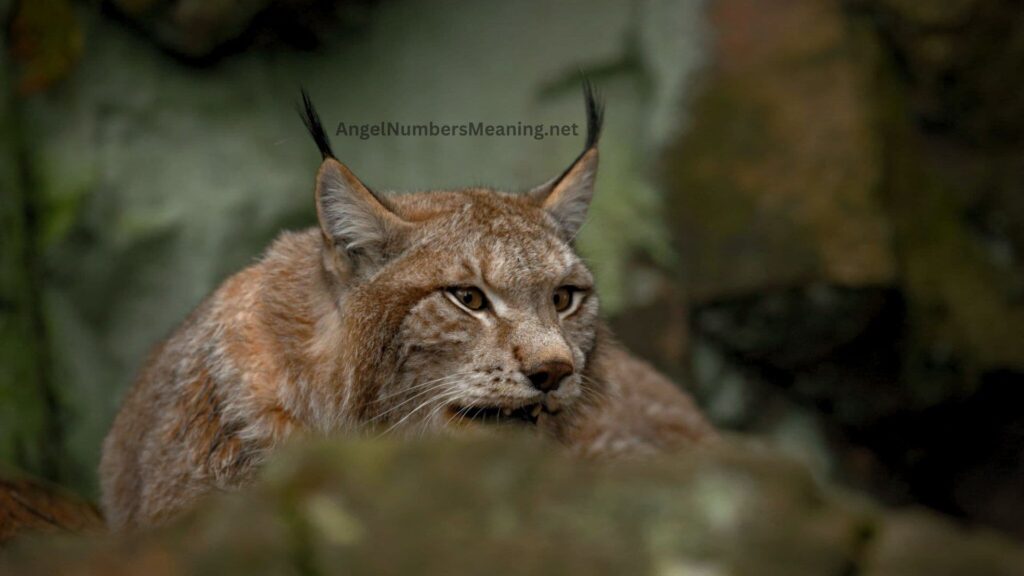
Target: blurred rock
[(46, 40), (913, 543), (954, 129), (934, 15), (193, 28), (775, 182), (787, 247), (204, 31), (514, 506), (955, 56), (848, 213)]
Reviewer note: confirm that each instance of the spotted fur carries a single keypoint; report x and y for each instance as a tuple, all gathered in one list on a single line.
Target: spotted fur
[(350, 327)]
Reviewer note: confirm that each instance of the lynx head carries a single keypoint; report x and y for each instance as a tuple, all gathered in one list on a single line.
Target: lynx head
[(462, 306)]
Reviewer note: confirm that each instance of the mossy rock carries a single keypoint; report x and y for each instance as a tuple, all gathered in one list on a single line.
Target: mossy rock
[(510, 505)]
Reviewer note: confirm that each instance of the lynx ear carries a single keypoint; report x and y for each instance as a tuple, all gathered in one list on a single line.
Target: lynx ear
[(354, 220), (567, 197)]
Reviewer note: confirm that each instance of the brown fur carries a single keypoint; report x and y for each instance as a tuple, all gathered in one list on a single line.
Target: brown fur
[(30, 506), (351, 327)]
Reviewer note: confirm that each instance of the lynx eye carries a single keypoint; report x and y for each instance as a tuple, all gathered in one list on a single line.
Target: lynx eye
[(470, 298), (563, 297)]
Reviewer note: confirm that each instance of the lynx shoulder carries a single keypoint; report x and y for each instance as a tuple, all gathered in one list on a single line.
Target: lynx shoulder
[(430, 311)]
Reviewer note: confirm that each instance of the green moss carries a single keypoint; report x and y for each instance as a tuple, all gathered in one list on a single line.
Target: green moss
[(26, 407)]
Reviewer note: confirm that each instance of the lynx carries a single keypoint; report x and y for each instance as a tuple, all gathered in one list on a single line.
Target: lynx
[(402, 314)]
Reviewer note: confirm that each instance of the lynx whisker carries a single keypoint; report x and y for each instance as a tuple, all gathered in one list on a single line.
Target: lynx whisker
[(460, 414), (439, 383), (426, 420), (429, 401), (421, 385)]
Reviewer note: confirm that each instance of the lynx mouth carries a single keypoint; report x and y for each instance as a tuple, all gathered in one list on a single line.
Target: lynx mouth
[(527, 414)]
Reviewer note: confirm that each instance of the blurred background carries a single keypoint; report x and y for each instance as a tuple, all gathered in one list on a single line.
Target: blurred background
[(809, 212)]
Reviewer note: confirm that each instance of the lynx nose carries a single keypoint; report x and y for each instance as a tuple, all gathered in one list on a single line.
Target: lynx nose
[(547, 376)]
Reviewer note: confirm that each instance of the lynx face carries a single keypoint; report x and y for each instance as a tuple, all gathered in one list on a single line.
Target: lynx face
[(467, 306), (507, 323)]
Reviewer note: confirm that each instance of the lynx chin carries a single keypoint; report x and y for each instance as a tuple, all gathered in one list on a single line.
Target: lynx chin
[(401, 314)]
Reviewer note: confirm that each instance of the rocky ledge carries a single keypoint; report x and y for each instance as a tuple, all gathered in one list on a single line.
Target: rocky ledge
[(515, 506)]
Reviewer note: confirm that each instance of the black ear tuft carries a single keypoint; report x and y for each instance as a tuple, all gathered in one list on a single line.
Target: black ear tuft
[(567, 197), (595, 119), (595, 113), (312, 121)]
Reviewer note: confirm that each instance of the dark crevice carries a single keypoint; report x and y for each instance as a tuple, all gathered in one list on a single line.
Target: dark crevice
[(961, 454), (279, 25)]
